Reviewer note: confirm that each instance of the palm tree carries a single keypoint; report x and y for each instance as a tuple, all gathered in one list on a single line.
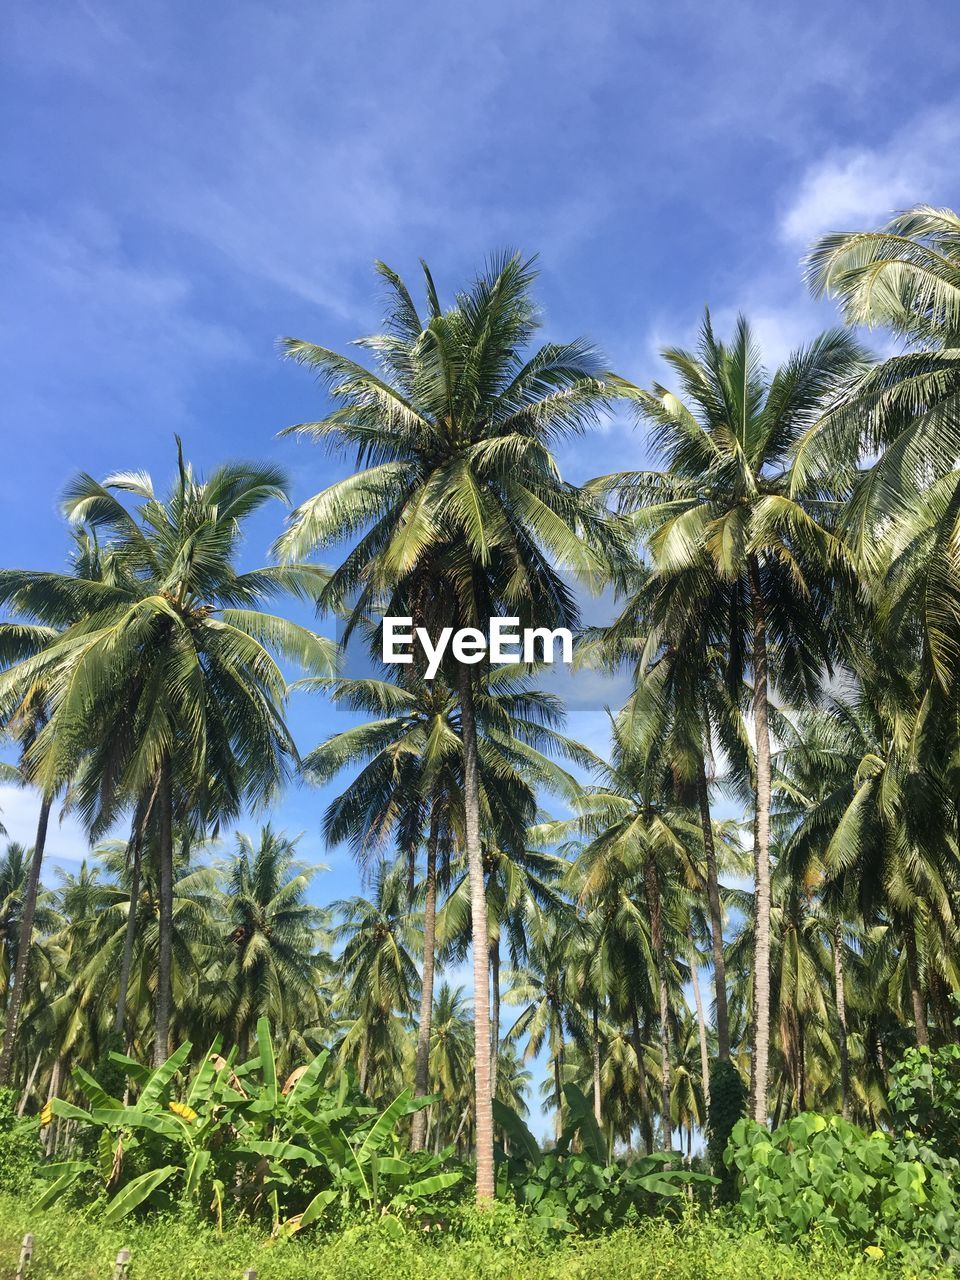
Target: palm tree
[(274, 933), (460, 507), (381, 982), (546, 991), (168, 683), (412, 777), (742, 548)]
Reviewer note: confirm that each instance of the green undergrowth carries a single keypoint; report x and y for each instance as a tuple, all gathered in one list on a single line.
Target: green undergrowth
[(496, 1245)]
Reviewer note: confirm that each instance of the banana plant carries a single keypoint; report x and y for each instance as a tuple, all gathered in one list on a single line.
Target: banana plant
[(295, 1152)]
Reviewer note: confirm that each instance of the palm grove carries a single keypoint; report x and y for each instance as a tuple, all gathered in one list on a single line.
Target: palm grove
[(788, 605)]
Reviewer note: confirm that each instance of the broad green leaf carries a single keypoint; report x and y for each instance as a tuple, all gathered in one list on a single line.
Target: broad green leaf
[(135, 1192), (161, 1077)]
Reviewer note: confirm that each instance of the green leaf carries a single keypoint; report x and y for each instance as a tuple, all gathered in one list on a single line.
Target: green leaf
[(94, 1091), (161, 1077), (430, 1186), (135, 1192), (518, 1133), (384, 1125), (71, 1172), (581, 1114), (196, 1168)]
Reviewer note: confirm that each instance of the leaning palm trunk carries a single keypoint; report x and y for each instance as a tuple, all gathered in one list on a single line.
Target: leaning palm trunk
[(481, 964), (28, 1087), (418, 1132), (841, 1000), (716, 914), (656, 930), (701, 1020), (164, 999), (760, 1059), (26, 941)]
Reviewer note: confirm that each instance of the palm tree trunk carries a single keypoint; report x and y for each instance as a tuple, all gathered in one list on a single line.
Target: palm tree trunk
[(716, 914), (656, 930), (26, 941), (841, 999), (421, 1082), (161, 1023), (597, 1100), (646, 1123), (761, 852), (701, 1020), (481, 965), (916, 992), (494, 1014), (129, 938), (49, 1135), (558, 1093)]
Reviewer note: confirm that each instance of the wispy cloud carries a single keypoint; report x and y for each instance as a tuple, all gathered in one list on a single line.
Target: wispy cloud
[(858, 187)]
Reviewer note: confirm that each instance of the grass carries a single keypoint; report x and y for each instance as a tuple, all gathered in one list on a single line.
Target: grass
[(494, 1246)]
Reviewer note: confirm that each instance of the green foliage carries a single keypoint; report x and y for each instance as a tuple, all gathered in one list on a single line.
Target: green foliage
[(728, 1103), (568, 1190), (829, 1177), (495, 1244), (230, 1140), (925, 1096), (19, 1149)]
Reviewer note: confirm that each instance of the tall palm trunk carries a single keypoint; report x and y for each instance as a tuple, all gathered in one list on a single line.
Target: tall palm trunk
[(638, 1036), (701, 1020), (916, 991), (557, 1098), (760, 1057), (164, 1000), (595, 1047), (15, 1004), (130, 933), (841, 1000), (421, 1082), (481, 965), (716, 914), (494, 1013), (652, 885)]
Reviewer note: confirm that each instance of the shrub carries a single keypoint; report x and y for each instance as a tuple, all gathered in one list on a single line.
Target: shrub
[(925, 1096), (829, 1177), (19, 1145), (583, 1191), (728, 1103)]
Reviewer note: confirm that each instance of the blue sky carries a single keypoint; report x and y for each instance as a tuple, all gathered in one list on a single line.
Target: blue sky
[(182, 184)]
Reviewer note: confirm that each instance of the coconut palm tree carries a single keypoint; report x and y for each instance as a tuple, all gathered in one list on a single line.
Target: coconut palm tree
[(459, 510), (743, 549), (411, 779), (274, 933), (168, 684), (380, 979)]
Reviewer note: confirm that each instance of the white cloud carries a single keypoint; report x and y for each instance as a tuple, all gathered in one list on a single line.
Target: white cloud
[(852, 188), (66, 843)]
